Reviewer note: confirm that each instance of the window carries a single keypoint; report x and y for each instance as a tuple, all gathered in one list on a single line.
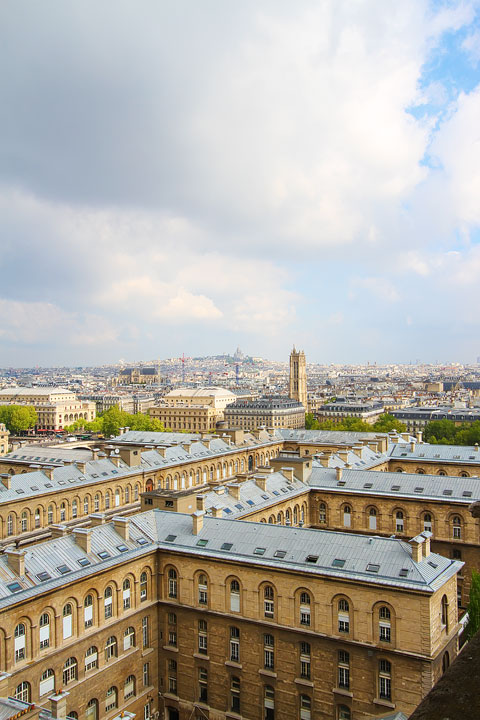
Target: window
[(385, 632), (399, 523), (172, 629), (172, 676), (235, 694), (343, 669), (47, 682), (88, 611), (235, 596), (145, 632), (91, 658), (172, 583), (427, 522), (305, 660), (111, 699), (117, 498), (96, 502), (343, 616), (347, 516), (344, 713), (234, 644), (127, 495), (143, 586), (129, 638), (445, 661), (372, 519), (108, 602), (304, 608), (202, 637), (24, 522), (10, 525), (126, 594), (203, 685), (322, 514), (305, 707), (385, 679), (85, 506), (44, 631), (67, 621), (202, 590), (92, 710), (268, 601), (50, 514), (110, 648), (457, 527), (22, 692), (269, 702), (107, 507), (268, 652), (445, 612), (63, 512), (70, 670), (38, 517), (74, 509), (129, 687), (146, 674)]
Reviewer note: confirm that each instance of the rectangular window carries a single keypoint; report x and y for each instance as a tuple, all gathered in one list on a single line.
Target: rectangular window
[(145, 633), (203, 685), (88, 616), (343, 623), (385, 632), (146, 674), (44, 636), (67, 626)]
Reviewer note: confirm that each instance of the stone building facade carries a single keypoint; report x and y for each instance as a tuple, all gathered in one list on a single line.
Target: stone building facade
[(297, 383), (56, 408), (269, 412)]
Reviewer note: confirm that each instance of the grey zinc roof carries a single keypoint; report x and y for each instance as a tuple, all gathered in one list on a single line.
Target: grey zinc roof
[(381, 483), (155, 526), (51, 455), (326, 436), (364, 458), (436, 453)]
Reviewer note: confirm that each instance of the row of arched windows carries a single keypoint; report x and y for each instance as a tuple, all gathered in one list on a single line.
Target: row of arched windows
[(443, 473), (290, 516)]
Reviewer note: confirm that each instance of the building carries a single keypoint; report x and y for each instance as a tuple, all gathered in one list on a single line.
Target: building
[(337, 411), (139, 402), (214, 396), (297, 386), (4, 435), (56, 408), (415, 418), (271, 412), (138, 376), (193, 409), (191, 616)]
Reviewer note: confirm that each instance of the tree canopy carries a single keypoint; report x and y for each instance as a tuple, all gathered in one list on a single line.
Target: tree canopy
[(110, 422), (18, 418), (473, 625), (445, 432), (385, 423)]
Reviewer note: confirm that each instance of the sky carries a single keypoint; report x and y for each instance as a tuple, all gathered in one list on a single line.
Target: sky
[(196, 175)]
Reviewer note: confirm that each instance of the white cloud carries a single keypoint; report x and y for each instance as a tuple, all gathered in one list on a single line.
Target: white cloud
[(380, 288)]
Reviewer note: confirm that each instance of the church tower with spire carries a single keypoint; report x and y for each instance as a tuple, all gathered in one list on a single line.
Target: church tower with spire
[(297, 386)]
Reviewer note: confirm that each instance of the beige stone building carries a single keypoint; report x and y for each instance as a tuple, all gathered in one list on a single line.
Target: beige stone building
[(138, 376), (191, 616), (297, 384), (4, 435), (190, 417), (269, 412), (55, 407)]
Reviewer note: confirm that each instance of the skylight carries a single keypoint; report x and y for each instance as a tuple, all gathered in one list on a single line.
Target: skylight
[(142, 541), (202, 543), (338, 563), (63, 569), (227, 546), (311, 558), (43, 576), (103, 554), (279, 553), (373, 568), (83, 562), (259, 551), (14, 587), (170, 538)]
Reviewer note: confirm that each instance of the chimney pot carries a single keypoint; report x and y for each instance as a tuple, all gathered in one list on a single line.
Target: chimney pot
[(197, 521)]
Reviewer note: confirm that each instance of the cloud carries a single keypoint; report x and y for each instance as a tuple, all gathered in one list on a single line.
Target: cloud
[(380, 288)]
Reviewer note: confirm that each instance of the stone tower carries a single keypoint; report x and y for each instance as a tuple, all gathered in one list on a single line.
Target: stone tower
[(297, 386)]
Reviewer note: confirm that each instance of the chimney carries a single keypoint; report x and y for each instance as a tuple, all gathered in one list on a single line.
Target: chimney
[(416, 544), (6, 480), (115, 460), (122, 526), (412, 446), (16, 561), (261, 482), (95, 452), (234, 490), (161, 450), (131, 456), (200, 502), (343, 455), (217, 511), (426, 545), (419, 436), (97, 519), (67, 462), (58, 705), (48, 471), (206, 443), (58, 530), (405, 436), (339, 473), (324, 459), (220, 489), (197, 521), (374, 446), (83, 538), (287, 473), (82, 466), (476, 447), (186, 446)]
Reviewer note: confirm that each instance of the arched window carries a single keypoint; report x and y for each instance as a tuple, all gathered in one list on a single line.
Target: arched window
[(295, 515), (85, 506), (129, 638), (234, 644), (72, 715), (10, 525), (372, 519), (442, 472), (343, 616), (44, 631), (143, 586), (47, 682), (269, 702), (126, 594), (399, 521), (38, 517), (427, 522), (96, 503), (108, 602), (304, 608), (347, 516), (111, 699), (88, 611), (129, 687), (287, 517), (74, 508), (107, 507), (457, 527), (70, 670), (271, 520), (202, 590), (110, 648), (279, 518), (127, 495), (23, 692), (235, 596), (445, 612), (268, 601), (420, 471), (50, 514), (172, 583), (117, 497), (63, 512), (24, 521), (322, 513), (464, 474), (92, 710), (384, 624), (385, 680), (91, 658), (67, 621), (305, 707)]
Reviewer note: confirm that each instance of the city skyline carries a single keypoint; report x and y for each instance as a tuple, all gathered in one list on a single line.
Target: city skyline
[(183, 177)]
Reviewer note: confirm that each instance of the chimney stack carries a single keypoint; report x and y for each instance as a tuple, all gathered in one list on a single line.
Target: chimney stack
[(6, 480), (197, 521), (58, 705), (122, 526), (339, 473), (97, 519), (200, 502), (287, 473), (48, 471), (83, 538), (95, 452), (261, 482), (217, 511), (234, 490), (16, 561), (416, 544), (58, 530)]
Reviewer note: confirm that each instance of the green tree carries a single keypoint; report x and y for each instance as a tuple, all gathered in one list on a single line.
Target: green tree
[(444, 429), (310, 422), (473, 625), (387, 423), (18, 418)]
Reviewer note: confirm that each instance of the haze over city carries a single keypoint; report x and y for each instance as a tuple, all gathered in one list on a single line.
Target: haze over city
[(189, 177)]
